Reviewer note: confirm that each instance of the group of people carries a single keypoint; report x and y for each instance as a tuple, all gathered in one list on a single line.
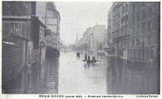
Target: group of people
[(89, 60)]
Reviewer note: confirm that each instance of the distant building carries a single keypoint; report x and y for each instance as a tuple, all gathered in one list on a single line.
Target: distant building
[(93, 39), (99, 36)]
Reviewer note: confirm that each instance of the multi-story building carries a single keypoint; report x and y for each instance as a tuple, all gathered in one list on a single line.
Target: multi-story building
[(19, 40), (93, 39), (118, 26), (50, 16), (53, 23), (133, 29), (133, 32), (99, 36), (25, 45)]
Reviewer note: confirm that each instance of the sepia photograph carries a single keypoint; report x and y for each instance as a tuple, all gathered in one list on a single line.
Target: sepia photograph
[(58, 47)]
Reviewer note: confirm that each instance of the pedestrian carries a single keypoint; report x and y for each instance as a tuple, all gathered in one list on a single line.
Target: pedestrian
[(78, 54), (88, 60), (85, 57), (94, 59)]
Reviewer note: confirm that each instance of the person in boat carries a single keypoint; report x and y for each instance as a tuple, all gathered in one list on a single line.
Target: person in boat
[(94, 59)]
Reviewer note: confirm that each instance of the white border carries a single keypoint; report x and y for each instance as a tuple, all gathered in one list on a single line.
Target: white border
[(36, 96)]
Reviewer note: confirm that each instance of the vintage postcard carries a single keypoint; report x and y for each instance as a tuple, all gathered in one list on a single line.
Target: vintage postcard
[(59, 47)]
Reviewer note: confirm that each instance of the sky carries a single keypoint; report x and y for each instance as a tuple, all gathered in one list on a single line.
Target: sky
[(76, 17)]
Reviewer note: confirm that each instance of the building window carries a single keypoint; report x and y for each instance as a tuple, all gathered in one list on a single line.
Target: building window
[(123, 9), (149, 26), (138, 28), (126, 7), (143, 27), (143, 3), (138, 16), (149, 12), (144, 12), (126, 30)]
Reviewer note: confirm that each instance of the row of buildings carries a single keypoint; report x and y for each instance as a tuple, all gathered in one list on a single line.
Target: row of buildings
[(30, 37), (132, 32), (93, 40)]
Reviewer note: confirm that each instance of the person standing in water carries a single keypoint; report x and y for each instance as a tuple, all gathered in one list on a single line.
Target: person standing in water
[(85, 57), (94, 59), (88, 60)]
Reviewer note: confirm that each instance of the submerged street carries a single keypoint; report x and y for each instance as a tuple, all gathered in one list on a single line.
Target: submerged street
[(75, 77), (80, 47), (109, 75)]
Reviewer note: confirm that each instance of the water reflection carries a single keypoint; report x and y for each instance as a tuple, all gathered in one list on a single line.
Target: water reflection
[(52, 75), (125, 77), (78, 77)]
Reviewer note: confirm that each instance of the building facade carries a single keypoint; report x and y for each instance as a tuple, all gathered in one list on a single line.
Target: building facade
[(25, 46), (134, 40), (134, 29), (49, 15), (93, 39)]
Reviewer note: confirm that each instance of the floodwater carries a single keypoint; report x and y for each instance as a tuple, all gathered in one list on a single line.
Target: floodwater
[(125, 77), (75, 77), (110, 75)]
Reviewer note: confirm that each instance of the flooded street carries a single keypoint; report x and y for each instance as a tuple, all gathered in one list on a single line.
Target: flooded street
[(114, 47), (68, 74), (52, 75), (75, 77), (127, 77)]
